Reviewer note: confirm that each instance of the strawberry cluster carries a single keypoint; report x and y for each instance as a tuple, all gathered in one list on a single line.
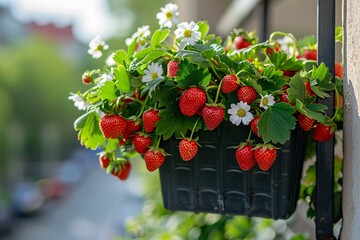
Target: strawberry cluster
[(163, 91)]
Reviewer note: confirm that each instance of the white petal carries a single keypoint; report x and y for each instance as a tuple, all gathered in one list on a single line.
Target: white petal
[(238, 121)]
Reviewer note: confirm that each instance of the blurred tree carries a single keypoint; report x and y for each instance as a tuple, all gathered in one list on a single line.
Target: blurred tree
[(35, 81)]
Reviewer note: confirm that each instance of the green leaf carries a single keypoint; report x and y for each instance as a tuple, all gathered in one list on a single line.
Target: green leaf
[(203, 28), (255, 85), (319, 73), (190, 75), (297, 89), (132, 47), (107, 91), (122, 79), (121, 57), (312, 110), (165, 94), (146, 56), (152, 86), (276, 122), (158, 37), (339, 34), (173, 122), (90, 135), (282, 61), (111, 145), (80, 121), (271, 80), (194, 57)]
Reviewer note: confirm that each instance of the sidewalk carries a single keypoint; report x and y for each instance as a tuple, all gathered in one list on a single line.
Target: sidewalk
[(94, 209)]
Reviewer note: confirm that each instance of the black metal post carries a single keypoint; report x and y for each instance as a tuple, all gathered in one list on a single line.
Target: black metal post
[(325, 151), (264, 20)]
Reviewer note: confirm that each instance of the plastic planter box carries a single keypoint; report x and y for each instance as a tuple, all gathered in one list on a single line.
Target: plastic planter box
[(213, 182)]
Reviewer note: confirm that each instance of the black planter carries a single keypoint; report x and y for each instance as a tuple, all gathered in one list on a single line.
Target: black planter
[(213, 182)]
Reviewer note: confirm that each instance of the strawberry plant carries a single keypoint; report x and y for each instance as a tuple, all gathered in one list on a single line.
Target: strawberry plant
[(181, 80)]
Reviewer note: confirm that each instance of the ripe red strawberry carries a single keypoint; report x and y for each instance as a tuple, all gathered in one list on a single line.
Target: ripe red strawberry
[(245, 157), (212, 116), (134, 125), (305, 122), (172, 68), (289, 73), (339, 71), (240, 43), (188, 148), (247, 94), (308, 89), (230, 83), (154, 158), (254, 125), (123, 174), (284, 97), (265, 156), (323, 133), (125, 137), (310, 54), (150, 118), (87, 78), (191, 101), (113, 126), (104, 160), (141, 143)]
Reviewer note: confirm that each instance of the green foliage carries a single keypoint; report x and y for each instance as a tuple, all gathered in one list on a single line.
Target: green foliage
[(275, 123)]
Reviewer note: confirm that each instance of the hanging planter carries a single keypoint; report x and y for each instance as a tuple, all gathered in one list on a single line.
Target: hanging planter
[(213, 181), (224, 121)]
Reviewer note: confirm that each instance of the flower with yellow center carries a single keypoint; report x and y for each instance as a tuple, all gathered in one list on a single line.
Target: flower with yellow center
[(267, 101), (188, 33), (96, 47), (168, 16), (239, 113), (153, 71)]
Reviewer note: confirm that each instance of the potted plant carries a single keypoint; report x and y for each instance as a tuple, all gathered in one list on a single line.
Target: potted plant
[(225, 121)]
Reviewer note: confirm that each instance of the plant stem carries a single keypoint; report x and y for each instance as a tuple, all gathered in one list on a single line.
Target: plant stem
[(193, 129), (218, 91), (285, 35), (249, 136), (336, 103), (143, 107)]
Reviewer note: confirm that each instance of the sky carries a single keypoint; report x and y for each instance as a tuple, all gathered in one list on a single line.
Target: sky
[(88, 17)]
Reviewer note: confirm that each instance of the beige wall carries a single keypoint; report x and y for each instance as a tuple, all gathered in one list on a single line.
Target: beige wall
[(351, 192)]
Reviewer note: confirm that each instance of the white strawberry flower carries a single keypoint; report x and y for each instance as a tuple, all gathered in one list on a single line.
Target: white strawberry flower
[(239, 113), (142, 33), (106, 77), (168, 15), (96, 47), (153, 71), (188, 33), (110, 60), (267, 101), (286, 44), (79, 101)]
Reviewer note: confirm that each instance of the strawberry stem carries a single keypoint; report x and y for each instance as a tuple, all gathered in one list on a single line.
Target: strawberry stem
[(337, 103), (218, 91), (193, 129), (143, 107), (249, 136), (285, 35)]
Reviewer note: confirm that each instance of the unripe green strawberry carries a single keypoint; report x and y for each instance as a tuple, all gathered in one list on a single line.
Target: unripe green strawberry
[(305, 122), (150, 118), (191, 101), (323, 133), (245, 157), (265, 156), (247, 94), (141, 143), (172, 68), (188, 148), (212, 116), (230, 83), (113, 126), (154, 158)]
